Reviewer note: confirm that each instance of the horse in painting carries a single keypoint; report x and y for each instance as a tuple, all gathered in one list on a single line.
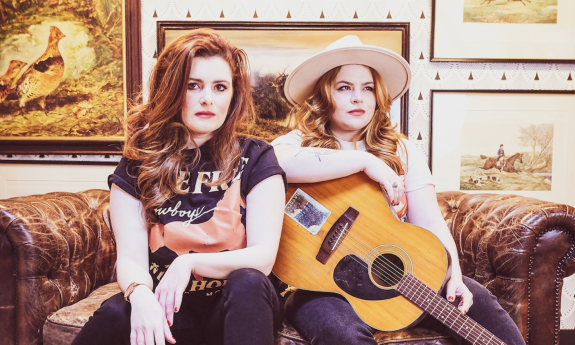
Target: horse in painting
[(505, 165)]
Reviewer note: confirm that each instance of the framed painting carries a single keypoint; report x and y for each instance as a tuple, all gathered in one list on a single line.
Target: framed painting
[(541, 31), (274, 49), (497, 141), (65, 81)]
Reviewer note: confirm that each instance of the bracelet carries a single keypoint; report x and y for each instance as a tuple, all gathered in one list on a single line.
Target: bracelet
[(130, 289)]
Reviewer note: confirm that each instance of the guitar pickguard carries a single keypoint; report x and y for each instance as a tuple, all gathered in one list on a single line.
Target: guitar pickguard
[(352, 276)]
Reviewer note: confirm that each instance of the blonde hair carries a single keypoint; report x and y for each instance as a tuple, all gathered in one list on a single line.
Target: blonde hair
[(313, 117)]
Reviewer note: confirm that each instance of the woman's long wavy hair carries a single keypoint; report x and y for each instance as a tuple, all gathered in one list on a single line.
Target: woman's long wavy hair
[(156, 135), (312, 118)]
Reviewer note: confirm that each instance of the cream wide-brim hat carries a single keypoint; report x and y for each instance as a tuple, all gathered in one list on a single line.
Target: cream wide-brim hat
[(348, 50)]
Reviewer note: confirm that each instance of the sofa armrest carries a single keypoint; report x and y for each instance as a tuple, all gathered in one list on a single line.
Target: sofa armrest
[(520, 249), (59, 248)]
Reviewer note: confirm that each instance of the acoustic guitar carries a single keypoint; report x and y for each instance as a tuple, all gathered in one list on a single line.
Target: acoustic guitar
[(341, 236)]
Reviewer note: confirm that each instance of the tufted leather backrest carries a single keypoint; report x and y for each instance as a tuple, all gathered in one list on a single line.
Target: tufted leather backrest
[(62, 248), (520, 249)]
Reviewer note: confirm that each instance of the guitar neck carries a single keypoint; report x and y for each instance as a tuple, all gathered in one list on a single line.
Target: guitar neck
[(438, 307)]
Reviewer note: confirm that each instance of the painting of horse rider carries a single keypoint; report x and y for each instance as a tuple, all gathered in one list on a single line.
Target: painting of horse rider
[(528, 168), (510, 11)]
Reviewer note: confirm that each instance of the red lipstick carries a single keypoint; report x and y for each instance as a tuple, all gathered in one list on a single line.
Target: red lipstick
[(204, 114), (356, 112)]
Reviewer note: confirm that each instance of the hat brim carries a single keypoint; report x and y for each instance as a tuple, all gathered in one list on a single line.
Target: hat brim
[(391, 66)]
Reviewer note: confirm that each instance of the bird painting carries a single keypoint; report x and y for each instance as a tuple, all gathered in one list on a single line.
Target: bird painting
[(6, 80), (44, 75)]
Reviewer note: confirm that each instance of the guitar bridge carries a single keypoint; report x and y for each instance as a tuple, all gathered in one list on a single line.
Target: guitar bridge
[(336, 234)]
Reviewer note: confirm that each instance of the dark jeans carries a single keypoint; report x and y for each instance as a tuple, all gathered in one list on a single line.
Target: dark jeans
[(326, 318), (249, 311)]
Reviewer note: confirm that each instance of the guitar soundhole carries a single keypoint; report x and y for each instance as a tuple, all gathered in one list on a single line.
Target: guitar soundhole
[(387, 270)]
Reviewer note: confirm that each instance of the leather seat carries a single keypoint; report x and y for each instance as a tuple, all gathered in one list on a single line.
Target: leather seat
[(62, 326), (57, 260)]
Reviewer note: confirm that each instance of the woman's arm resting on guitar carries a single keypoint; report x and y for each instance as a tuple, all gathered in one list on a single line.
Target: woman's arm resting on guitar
[(147, 321), (264, 217), (423, 211), (311, 164)]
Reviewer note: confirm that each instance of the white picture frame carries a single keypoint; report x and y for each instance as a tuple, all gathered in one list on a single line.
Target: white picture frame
[(503, 31), (468, 124)]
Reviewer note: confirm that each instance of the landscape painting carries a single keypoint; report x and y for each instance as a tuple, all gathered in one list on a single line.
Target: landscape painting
[(274, 53), (61, 69), (510, 11), (506, 154)]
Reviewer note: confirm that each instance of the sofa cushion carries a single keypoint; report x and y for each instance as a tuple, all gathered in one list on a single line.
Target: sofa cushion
[(415, 336), (62, 326)]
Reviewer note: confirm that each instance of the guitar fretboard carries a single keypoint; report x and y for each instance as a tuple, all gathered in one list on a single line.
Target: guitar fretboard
[(438, 307)]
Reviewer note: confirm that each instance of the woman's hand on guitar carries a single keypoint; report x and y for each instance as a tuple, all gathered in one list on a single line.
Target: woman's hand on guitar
[(456, 288), (147, 320), (380, 172), (171, 288)]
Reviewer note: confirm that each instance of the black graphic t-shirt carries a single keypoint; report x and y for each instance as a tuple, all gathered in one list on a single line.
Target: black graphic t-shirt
[(206, 219)]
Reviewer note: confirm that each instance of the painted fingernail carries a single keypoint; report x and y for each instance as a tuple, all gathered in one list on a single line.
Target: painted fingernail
[(451, 299), (169, 323), (176, 310)]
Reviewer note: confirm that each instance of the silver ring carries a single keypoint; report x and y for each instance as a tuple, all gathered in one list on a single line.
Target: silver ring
[(394, 184)]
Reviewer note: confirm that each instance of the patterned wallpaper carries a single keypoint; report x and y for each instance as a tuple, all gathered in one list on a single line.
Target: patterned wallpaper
[(426, 75)]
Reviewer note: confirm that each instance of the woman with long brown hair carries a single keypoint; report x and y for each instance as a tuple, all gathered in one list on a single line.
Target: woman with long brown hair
[(196, 209), (343, 97)]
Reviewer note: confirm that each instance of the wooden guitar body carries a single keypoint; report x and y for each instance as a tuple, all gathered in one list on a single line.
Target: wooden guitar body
[(365, 257)]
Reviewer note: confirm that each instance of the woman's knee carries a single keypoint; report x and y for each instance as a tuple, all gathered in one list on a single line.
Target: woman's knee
[(110, 324), (481, 295), (326, 318), (247, 280), (115, 312)]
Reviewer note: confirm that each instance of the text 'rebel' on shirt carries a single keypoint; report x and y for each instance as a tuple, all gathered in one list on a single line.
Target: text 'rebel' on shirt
[(418, 174), (205, 219)]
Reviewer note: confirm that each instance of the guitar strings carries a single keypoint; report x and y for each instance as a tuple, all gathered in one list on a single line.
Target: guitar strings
[(460, 320), (398, 271), (382, 268), (366, 247), (393, 266), (457, 322), (377, 269), (457, 319)]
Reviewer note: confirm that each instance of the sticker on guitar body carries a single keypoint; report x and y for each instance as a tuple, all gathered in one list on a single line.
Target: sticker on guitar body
[(306, 211)]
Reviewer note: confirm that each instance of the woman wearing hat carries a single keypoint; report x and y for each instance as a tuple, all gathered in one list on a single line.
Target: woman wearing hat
[(343, 96)]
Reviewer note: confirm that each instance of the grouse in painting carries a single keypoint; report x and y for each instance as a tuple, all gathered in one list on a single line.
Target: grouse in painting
[(44, 75), (6, 80)]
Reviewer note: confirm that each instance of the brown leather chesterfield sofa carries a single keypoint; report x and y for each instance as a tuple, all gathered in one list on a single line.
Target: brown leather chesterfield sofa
[(57, 264)]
